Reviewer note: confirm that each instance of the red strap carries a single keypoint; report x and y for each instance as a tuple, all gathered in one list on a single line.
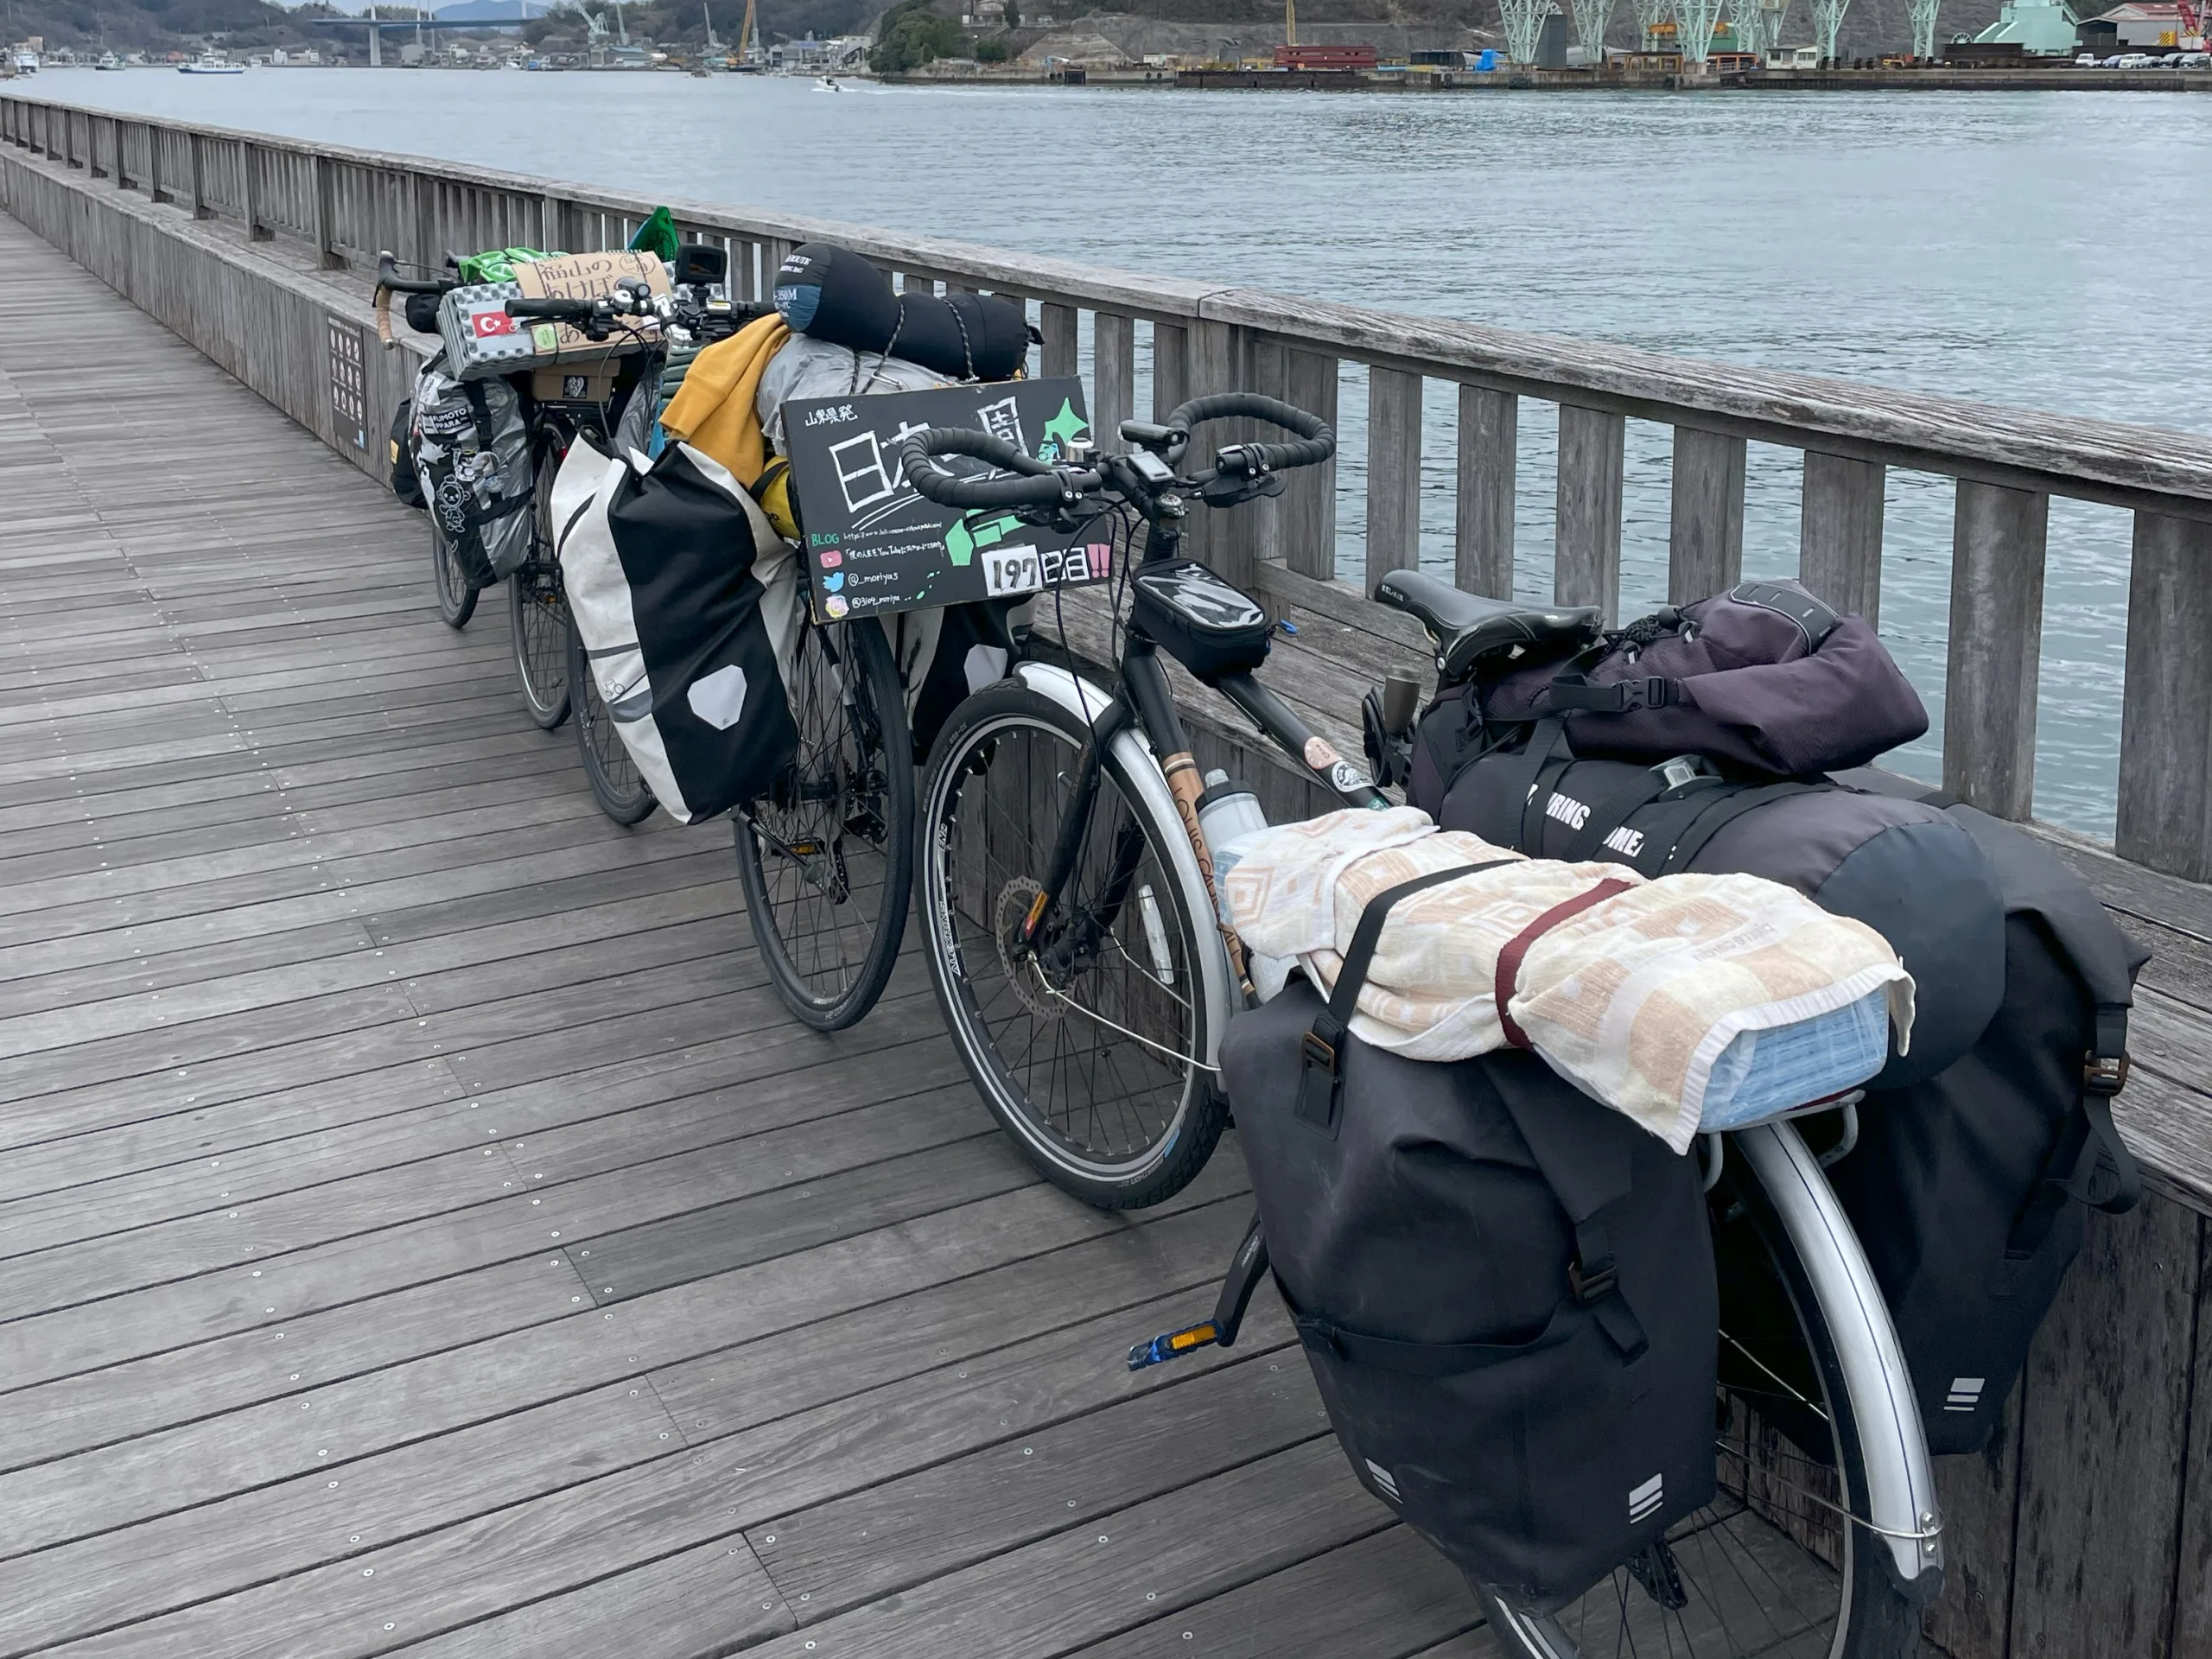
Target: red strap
[(1508, 960)]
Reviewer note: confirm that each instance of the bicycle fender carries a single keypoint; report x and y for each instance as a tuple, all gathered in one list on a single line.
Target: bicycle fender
[(1900, 1497), (1088, 703)]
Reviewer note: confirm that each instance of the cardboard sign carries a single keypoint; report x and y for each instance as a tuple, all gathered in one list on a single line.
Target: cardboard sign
[(587, 276), (874, 544)]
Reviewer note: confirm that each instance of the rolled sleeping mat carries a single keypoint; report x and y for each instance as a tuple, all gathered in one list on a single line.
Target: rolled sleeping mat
[(831, 294)]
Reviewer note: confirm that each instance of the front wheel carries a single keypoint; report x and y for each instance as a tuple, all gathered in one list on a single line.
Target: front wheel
[(827, 856), (456, 599), (615, 785), (1776, 1565), (1088, 1037), (538, 607)]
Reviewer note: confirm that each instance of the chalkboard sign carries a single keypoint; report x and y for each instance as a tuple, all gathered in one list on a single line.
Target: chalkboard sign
[(874, 544)]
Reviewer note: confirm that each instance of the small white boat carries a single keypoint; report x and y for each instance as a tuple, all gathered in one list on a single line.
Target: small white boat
[(210, 65), (827, 84), (109, 61)]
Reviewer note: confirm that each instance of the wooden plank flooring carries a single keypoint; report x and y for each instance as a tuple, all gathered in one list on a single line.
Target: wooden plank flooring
[(422, 1229)]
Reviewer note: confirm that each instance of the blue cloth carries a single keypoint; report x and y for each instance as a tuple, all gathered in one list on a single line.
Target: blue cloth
[(1763, 1074)]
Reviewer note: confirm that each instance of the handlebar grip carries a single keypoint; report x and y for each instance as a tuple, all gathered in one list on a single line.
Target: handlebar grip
[(388, 276), (384, 316), (1316, 442), (1040, 485), (552, 310)]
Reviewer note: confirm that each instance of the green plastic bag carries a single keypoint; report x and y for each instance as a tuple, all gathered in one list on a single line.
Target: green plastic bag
[(497, 264), (657, 236)]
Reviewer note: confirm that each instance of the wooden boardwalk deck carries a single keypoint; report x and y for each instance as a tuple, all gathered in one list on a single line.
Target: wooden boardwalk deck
[(421, 1229)]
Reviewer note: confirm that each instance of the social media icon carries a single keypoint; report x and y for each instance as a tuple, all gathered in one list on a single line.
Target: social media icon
[(829, 558), (836, 606), (831, 584)]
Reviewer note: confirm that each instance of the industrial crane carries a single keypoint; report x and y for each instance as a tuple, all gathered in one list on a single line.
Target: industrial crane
[(1290, 22), (2192, 26)]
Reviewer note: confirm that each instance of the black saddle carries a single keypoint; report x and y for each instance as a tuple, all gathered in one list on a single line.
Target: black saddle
[(1466, 627)]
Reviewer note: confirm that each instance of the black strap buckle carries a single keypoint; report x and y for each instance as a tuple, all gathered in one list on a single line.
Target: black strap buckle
[(1652, 693), (1318, 1086), (1590, 1285), (2104, 1074)]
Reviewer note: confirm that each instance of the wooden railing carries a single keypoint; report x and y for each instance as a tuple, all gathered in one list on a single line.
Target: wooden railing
[(347, 204)]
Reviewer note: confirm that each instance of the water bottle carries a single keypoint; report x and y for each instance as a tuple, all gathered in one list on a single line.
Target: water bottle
[(1227, 810)]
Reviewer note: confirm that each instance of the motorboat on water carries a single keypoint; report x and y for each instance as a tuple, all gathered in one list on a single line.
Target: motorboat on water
[(827, 84), (109, 61), (206, 64)]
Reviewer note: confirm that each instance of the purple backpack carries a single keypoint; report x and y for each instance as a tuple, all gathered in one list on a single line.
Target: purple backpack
[(1764, 676)]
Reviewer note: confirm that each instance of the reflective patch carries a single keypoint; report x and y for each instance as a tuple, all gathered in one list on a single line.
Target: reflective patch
[(719, 697)]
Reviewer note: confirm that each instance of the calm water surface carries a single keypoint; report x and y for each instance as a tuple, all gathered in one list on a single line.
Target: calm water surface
[(2038, 249)]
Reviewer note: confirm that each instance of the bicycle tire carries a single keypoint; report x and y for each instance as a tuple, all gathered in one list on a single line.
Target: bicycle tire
[(840, 827), (456, 599), (978, 875), (537, 606), (1783, 1399), (621, 793)]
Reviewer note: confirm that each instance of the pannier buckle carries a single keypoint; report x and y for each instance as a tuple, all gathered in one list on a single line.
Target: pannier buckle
[(2104, 1074), (1319, 1052), (1589, 1285), (1651, 693)]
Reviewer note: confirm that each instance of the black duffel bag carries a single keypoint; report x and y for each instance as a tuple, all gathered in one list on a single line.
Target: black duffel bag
[(1505, 1289)]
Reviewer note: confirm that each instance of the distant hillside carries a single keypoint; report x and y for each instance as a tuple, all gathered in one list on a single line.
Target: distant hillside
[(162, 25)]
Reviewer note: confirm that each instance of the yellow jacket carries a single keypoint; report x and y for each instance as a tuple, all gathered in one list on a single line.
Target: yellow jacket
[(714, 410)]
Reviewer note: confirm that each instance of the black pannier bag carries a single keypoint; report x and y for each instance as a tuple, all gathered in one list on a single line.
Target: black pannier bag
[(688, 602), (1505, 1290), (471, 453), (1970, 1190), (406, 484)]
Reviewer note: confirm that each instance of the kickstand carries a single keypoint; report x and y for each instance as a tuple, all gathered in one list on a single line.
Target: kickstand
[(1246, 1269)]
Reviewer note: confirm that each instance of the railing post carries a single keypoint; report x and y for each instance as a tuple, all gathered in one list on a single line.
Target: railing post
[(1586, 568), (1114, 377), (196, 160), (1489, 424), (1230, 542), (555, 220), (322, 212), (256, 218), (1393, 473), (1057, 324), (2165, 817), (1840, 533), (1705, 536), (154, 163), (1171, 368), (423, 220), (114, 170), (1989, 685), (1309, 499)]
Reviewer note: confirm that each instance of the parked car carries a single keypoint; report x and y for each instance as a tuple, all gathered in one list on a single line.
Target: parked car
[(2087, 60), (2135, 61), (2194, 61), (2111, 62)]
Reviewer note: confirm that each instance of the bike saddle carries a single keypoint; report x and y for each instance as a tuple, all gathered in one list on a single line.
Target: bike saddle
[(1466, 627)]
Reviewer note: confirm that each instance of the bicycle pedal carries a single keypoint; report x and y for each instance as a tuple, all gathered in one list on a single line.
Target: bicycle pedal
[(1173, 1342)]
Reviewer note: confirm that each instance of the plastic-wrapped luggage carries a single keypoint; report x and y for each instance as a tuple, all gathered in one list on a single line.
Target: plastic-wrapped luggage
[(471, 453), (687, 603)]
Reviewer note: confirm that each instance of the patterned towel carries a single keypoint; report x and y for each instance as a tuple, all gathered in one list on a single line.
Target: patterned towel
[(1635, 998)]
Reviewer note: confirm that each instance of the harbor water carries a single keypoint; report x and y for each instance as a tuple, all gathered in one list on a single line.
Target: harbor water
[(2038, 249)]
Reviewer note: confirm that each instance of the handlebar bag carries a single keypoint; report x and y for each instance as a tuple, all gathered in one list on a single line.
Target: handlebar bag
[(688, 602), (1765, 677), (472, 456), (831, 294), (1505, 1290)]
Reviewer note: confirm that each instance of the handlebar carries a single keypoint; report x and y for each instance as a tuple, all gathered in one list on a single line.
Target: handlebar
[(554, 310), (1040, 485), (1316, 442), (388, 283)]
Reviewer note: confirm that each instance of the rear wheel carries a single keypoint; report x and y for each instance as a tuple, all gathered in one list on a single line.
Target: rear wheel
[(1774, 1567), (622, 794), (1088, 1039), (827, 857), (456, 599), (537, 608)]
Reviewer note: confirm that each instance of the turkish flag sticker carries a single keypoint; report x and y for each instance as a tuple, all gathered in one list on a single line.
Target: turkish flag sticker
[(487, 323)]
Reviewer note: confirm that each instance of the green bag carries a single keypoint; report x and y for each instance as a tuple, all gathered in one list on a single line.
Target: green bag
[(657, 236), (497, 264)]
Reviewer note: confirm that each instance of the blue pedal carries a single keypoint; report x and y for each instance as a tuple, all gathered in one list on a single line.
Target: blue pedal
[(1175, 1343)]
